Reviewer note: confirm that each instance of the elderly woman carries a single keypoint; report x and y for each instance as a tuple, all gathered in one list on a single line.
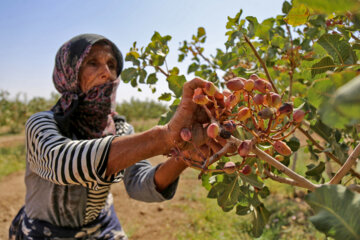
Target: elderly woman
[(79, 148)]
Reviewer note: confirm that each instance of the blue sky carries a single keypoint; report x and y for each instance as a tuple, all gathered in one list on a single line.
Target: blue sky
[(33, 30)]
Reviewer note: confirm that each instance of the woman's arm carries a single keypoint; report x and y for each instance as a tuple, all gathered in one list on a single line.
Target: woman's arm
[(127, 150), (168, 172)]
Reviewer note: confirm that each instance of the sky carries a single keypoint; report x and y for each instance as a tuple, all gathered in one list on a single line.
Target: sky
[(33, 30)]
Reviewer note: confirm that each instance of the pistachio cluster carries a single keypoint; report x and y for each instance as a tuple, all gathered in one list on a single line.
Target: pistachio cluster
[(252, 105)]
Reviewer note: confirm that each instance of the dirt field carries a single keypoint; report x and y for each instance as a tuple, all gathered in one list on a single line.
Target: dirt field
[(140, 220)]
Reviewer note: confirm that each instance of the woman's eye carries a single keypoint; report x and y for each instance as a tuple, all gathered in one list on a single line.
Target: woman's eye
[(112, 65), (92, 63)]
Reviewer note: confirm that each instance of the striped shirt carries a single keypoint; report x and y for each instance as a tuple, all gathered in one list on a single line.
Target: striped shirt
[(65, 178)]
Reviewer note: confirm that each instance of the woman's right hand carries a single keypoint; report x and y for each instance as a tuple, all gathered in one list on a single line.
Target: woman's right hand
[(188, 113)]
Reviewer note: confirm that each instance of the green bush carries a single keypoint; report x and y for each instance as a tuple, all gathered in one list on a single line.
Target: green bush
[(15, 111), (137, 109)]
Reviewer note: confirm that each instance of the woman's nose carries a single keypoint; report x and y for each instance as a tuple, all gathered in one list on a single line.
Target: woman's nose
[(105, 72)]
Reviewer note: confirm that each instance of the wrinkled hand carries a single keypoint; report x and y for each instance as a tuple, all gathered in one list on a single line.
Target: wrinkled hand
[(188, 113), (195, 156)]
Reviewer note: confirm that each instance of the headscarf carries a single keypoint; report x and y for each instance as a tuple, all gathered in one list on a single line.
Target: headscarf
[(87, 115)]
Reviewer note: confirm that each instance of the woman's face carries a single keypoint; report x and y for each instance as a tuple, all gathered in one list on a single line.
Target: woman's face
[(98, 67)]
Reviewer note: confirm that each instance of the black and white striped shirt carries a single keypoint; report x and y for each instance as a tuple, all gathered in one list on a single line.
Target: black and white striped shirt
[(65, 178)]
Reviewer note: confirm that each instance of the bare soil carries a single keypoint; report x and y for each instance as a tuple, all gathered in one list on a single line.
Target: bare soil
[(145, 221)]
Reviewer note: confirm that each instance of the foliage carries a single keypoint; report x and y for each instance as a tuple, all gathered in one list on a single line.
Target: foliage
[(337, 211), (289, 217), (137, 109), (310, 56), (11, 159), (15, 111)]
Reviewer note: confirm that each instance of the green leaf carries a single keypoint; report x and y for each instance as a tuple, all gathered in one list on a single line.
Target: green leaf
[(128, 74), (228, 60), (159, 38), (339, 49), (253, 24), (319, 92), (337, 211), (165, 118), (193, 67), (165, 97), (205, 181), (260, 218), (286, 7), (174, 71), (263, 31), (233, 21), (152, 79), (181, 57), (293, 143), (264, 192), (278, 41), (315, 171), (253, 179), (297, 15), (176, 83), (242, 210), (333, 6), (201, 32), (325, 64), (157, 60), (142, 76), (228, 195), (322, 130), (133, 56), (342, 106)]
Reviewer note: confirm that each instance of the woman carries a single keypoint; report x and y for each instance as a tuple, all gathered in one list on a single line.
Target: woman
[(76, 151)]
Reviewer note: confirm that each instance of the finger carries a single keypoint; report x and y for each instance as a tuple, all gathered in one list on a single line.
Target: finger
[(215, 147), (221, 140), (199, 135), (200, 115), (190, 86)]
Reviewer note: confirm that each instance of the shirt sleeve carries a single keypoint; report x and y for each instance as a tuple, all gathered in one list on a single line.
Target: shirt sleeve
[(65, 161), (140, 185)]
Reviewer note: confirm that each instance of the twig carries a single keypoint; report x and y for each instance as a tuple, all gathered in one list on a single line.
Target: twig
[(283, 180), (292, 62), (347, 166), (229, 145), (162, 71), (354, 37), (291, 132), (261, 62), (294, 161), (296, 177), (205, 58), (330, 155), (354, 187)]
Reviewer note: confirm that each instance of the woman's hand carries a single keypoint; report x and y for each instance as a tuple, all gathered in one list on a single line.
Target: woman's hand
[(188, 113), (127, 150)]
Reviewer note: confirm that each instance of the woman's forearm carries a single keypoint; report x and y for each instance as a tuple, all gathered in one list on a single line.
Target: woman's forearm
[(127, 150), (168, 172)]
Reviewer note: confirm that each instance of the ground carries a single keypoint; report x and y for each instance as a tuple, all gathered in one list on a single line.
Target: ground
[(140, 220)]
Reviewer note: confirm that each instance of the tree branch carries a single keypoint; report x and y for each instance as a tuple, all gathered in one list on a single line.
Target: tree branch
[(261, 62), (283, 180), (330, 155), (347, 166), (296, 177)]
